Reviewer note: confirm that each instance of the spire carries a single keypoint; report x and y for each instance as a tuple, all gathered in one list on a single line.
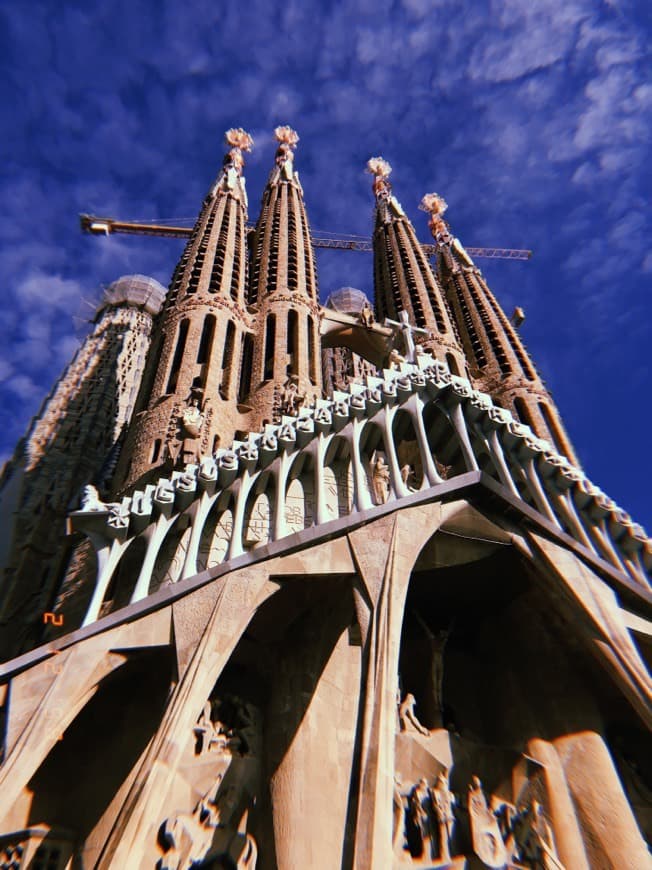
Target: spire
[(498, 361), (202, 348), (403, 279), (283, 287), (282, 254), (214, 261)]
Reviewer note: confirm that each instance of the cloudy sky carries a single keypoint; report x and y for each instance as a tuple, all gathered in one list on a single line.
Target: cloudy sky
[(531, 117)]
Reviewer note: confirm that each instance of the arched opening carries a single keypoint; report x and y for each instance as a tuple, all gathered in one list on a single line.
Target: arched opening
[(373, 454), (300, 495), (171, 555), (182, 337), (407, 450), (216, 534), (443, 442), (338, 478), (123, 580), (452, 364), (74, 787), (258, 516)]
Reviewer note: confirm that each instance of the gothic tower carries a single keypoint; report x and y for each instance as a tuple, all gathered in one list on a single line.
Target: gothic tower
[(72, 442), (498, 361), (192, 385), (403, 279), (283, 288)]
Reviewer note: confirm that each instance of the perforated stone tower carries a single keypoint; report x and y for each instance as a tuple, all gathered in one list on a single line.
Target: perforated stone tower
[(403, 279), (385, 628), (283, 287), (195, 379), (499, 363), (74, 440)]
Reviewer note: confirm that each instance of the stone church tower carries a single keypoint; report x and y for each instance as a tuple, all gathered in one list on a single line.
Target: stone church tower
[(389, 626), (73, 441)]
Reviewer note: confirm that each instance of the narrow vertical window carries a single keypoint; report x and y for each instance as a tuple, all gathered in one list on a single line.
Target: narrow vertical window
[(452, 365), (227, 360), (270, 340), (558, 436), (206, 341), (156, 450), (312, 359), (293, 343), (178, 355), (523, 413), (245, 369)]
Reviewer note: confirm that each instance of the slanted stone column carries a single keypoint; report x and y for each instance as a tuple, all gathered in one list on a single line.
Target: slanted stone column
[(605, 815)]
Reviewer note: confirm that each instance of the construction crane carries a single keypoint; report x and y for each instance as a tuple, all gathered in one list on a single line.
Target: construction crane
[(102, 226)]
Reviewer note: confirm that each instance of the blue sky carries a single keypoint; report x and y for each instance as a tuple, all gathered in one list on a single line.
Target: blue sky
[(531, 117)]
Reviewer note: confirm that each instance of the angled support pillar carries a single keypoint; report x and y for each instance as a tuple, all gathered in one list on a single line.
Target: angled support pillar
[(384, 552)]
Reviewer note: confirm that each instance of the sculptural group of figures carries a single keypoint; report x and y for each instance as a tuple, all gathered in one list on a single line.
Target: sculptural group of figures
[(432, 823), (214, 834)]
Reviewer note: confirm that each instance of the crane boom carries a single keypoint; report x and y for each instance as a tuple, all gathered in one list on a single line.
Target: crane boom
[(102, 226)]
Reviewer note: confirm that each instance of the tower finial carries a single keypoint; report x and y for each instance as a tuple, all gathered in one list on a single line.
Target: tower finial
[(435, 205), (287, 139), (381, 170), (240, 141)]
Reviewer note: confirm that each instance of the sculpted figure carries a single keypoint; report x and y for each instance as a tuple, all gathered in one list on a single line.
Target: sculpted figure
[(380, 475), (407, 475), (419, 813), (366, 315), (395, 359), (192, 419), (438, 642), (91, 500), (189, 836), (398, 813), (443, 801), (211, 733), (535, 841), (407, 717), (485, 833)]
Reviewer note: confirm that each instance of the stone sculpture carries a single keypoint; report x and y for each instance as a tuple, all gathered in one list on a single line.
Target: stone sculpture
[(485, 834), (420, 820), (380, 476), (407, 717), (438, 642), (443, 801)]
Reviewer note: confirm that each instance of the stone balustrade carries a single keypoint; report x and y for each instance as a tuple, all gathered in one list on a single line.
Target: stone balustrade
[(344, 455)]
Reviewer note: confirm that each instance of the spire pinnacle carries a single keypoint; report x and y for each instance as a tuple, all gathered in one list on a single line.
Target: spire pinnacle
[(230, 180), (381, 170), (287, 139), (435, 205)]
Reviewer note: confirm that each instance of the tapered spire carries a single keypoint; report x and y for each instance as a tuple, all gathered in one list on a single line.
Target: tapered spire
[(282, 257), (403, 279), (201, 353), (215, 259), (498, 361), (283, 289)]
